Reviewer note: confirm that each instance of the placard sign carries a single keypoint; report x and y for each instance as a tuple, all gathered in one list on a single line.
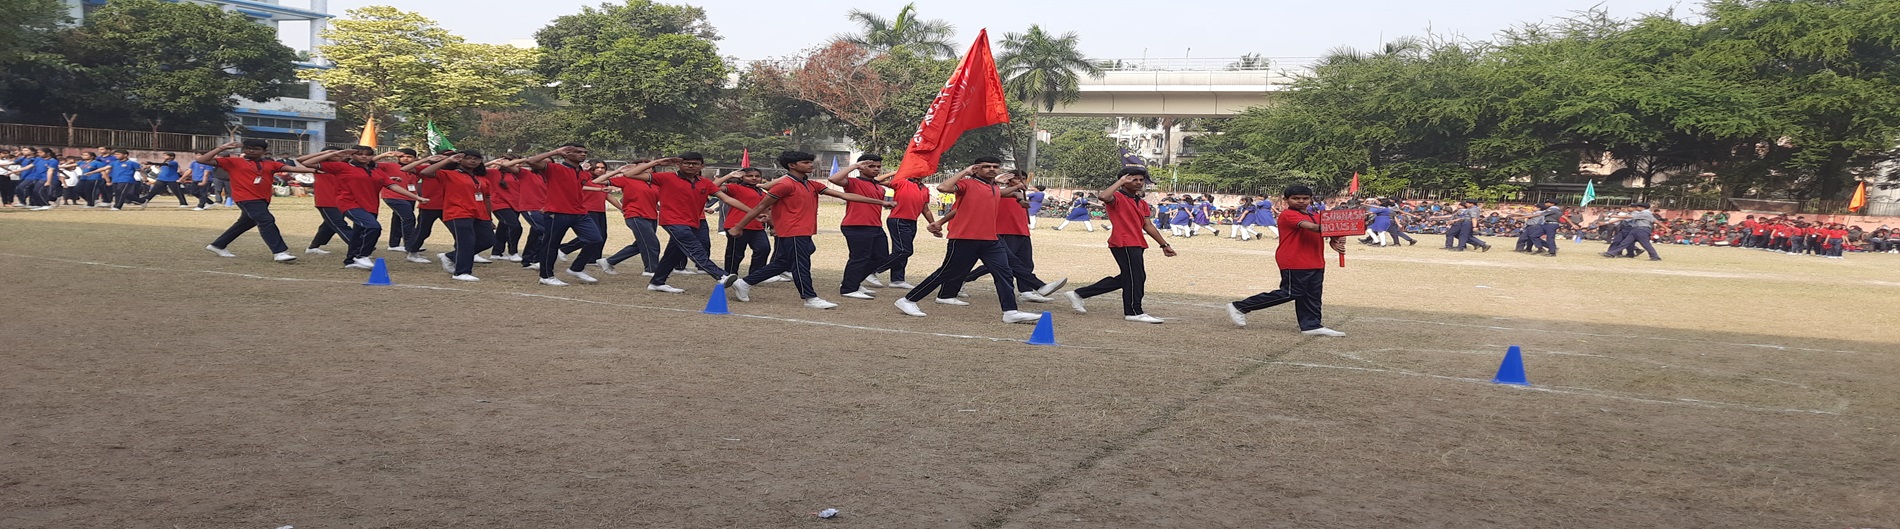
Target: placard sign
[(1342, 222)]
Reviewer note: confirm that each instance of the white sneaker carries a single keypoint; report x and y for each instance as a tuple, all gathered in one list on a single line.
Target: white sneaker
[(1075, 302), (819, 303), (365, 261), (1144, 318), (220, 251), (873, 280), (358, 265), (786, 276), (447, 265), (283, 257), (481, 260), (581, 276), (742, 290), (670, 289), (41, 208), (953, 302), (860, 294), (908, 307), (729, 280), (903, 285), (549, 281), (1017, 316), (1235, 315), (963, 293), (418, 258), (646, 274), (563, 255), (398, 249), (1034, 297), (514, 258), (465, 277), (1322, 331), (607, 267), (315, 251), (775, 279), (182, 206), (1052, 287), (867, 291), (199, 208)]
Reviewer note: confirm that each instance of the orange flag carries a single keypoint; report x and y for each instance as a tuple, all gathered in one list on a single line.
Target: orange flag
[(369, 134), (1354, 190), (973, 98), (745, 158), (1860, 198)]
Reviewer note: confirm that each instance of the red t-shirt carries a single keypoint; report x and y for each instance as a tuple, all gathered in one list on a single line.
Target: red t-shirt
[(796, 212), (564, 189), (596, 201), (911, 197), (1011, 217), (638, 198), (431, 190), (497, 197), (531, 192), (861, 214), (682, 202), (356, 187), (391, 173), (325, 187), (250, 179), (1126, 215), (462, 195), (976, 210), (1300, 248), (751, 197)]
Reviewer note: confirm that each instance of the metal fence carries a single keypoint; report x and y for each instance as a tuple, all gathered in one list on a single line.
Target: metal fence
[(21, 135)]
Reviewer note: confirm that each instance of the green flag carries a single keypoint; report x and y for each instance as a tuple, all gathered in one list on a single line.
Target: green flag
[(438, 141), (1589, 192)]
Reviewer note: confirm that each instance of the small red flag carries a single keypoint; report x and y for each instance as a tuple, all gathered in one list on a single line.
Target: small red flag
[(745, 158), (1354, 190), (973, 98)]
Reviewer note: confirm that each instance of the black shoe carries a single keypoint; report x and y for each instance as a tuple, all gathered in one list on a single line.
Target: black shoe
[(1412, 243), (1550, 255), (1655, 258), (1606, 254), (1484, 248)]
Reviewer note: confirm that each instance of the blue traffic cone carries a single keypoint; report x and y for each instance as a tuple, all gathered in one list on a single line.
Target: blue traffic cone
[(1045, 333), (228, 202), (1512, 370), (717, 303), (379, 276)]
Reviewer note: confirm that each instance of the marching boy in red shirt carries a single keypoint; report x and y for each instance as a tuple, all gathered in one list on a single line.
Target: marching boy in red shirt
[(793, 200), (1128, 221), (1302, 263)]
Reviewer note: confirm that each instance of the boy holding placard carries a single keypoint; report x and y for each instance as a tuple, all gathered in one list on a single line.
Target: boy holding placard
[(1302, 262)]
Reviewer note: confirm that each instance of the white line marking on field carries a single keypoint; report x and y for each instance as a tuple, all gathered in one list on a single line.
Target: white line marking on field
[(545, 296), (1567, 391)]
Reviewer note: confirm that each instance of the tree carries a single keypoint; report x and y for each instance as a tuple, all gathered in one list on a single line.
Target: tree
[(26, 27), (404, 70), (1044, 70), (641, 74), (879, 35), (150, 64), (1088, 159), (861, 92)]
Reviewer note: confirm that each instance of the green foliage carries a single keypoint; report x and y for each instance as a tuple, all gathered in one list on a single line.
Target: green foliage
[(904, 34), (1792, 98), (639, 75), (26, 26), (1043, 69), (151, 64), (391, 64), (1088, 159)]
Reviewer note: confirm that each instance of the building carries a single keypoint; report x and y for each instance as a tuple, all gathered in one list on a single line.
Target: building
[(302, 117)]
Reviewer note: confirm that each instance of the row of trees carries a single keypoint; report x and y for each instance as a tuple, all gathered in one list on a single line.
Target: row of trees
[(1762, 98), (135, 64)]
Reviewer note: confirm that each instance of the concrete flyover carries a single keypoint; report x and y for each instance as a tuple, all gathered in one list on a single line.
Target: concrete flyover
[(1180, 88)]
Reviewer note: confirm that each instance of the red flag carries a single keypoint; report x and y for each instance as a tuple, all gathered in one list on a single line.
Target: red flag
[(745, 158), (973, 98), (1354, 190), (1860, 198)]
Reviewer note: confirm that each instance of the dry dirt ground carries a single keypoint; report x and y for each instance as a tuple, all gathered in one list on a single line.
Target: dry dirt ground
[(146, 383)]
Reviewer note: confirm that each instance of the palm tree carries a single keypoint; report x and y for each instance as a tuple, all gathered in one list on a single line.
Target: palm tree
[(1042, 70), (929, 38)]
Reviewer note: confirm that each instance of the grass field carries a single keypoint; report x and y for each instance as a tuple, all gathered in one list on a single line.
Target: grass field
[(148, 383)]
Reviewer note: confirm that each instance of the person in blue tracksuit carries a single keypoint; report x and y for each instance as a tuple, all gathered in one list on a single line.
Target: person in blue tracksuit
[(1181, 220), (1463, 222), (124, 175), (1035, 203), (92, 176), (167, 181), (1381, 227), (1078, 212)]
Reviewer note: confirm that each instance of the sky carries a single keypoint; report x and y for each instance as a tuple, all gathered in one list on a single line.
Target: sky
[(1108, 29)]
